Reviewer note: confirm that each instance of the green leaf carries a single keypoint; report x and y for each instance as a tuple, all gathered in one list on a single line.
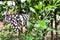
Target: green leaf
[(36, 7), (7, 27), (1, 34), (28, 1), (32, 9), (40, 24), (0, 38), (49, 6), (29, 26), (29, 37), (39, 6), (54, 1)]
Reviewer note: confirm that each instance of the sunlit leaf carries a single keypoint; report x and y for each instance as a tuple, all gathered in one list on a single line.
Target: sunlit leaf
[(40, 5), (0, 38), (32, 9), (49, 6), (54, 1), (1, 34), (23, 1), (41, 24), (36, 7)]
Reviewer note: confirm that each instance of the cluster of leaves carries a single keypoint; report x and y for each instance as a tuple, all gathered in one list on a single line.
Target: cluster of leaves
[(42, 11), (7, 33), (43, 8), (34, 31), (4, 6)]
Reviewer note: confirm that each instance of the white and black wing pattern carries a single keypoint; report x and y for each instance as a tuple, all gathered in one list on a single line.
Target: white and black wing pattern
[(16, 20)]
